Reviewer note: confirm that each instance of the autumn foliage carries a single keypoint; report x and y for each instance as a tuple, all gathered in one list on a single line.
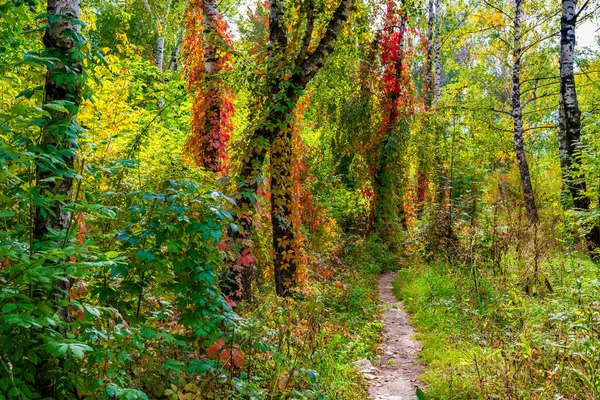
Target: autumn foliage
[(396, 83), (212, 106)]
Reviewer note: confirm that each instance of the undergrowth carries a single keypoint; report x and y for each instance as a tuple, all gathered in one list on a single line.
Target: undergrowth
[(304, 346), (484, 337)]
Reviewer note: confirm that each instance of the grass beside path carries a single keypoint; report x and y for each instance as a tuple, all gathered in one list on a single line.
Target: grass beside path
[(485, 338)]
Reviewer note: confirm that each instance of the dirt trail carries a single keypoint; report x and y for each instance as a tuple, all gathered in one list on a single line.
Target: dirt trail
[(398, 373)]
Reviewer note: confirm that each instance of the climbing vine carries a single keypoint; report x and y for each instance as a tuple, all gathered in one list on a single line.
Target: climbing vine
[(206, 52)]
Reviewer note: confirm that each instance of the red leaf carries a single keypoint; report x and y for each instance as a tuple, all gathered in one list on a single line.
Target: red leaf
[(229, 301), (245, 259), (225, 357), (238, 358), (212, 350)]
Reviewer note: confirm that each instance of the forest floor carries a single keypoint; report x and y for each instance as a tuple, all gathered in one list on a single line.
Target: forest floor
[(398, 374)]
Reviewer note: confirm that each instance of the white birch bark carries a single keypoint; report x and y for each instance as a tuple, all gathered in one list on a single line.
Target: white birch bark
[(517, 114)]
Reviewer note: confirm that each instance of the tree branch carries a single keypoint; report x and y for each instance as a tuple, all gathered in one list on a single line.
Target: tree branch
[(310, 25), (314, 61)]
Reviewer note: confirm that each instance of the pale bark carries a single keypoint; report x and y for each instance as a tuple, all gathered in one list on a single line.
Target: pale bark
[(209, 11), (160, 46), (517, 115), (59, 136), (159, 26), (569, 127)]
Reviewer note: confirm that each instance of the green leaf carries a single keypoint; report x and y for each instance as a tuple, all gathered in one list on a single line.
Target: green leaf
[(420, 394), (144, 255), (9, 307), (33, 357), (45, 308), (56, 107), (173, 365), (101, 57), (94, 311), (78, 349), (312, 375)]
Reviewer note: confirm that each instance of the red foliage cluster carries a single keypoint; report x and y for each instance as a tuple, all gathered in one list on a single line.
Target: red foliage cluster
[(212, 106), (396, 80)]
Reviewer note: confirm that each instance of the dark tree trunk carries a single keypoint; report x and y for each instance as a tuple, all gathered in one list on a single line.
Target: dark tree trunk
[(569, 127), (176, 50), (431, 89), (436, 53), (517, 115), (275, 134), (428, 82), (59, 137)]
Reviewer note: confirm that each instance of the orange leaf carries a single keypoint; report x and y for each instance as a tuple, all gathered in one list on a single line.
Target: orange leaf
[(212, 350), (225, 357), (238, 358)]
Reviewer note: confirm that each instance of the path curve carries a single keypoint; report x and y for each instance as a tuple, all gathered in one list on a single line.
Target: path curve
[(398, 373)]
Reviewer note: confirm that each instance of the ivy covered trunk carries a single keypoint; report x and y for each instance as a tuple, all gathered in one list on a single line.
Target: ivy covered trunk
[(428, 83), (54, 165), (569, 127), (284, 235), (436, 53), (275, 134), (517, 115), (385, 205)]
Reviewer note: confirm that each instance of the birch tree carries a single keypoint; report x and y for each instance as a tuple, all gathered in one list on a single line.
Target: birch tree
[(517, 116), (59, 139), (569, 127)]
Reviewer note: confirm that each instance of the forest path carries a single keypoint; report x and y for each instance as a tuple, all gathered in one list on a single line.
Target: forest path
[(398, 373)]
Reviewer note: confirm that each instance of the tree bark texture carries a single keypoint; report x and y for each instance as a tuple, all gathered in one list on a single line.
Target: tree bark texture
[(429, 78), (436, 52), (176, 50), (159, 26), (569, 127), (274, 134), (59, 137), (517, 115)]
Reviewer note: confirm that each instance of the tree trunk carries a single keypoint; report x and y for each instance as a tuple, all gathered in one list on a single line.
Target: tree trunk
[(428, 79), (54, 180), (176, 50), (274, 132), (385, 209), (160, 46), (569, 127), (284, 234), (159, 26), (430, 94), (517, 115), (436, 52), (211, 154)]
